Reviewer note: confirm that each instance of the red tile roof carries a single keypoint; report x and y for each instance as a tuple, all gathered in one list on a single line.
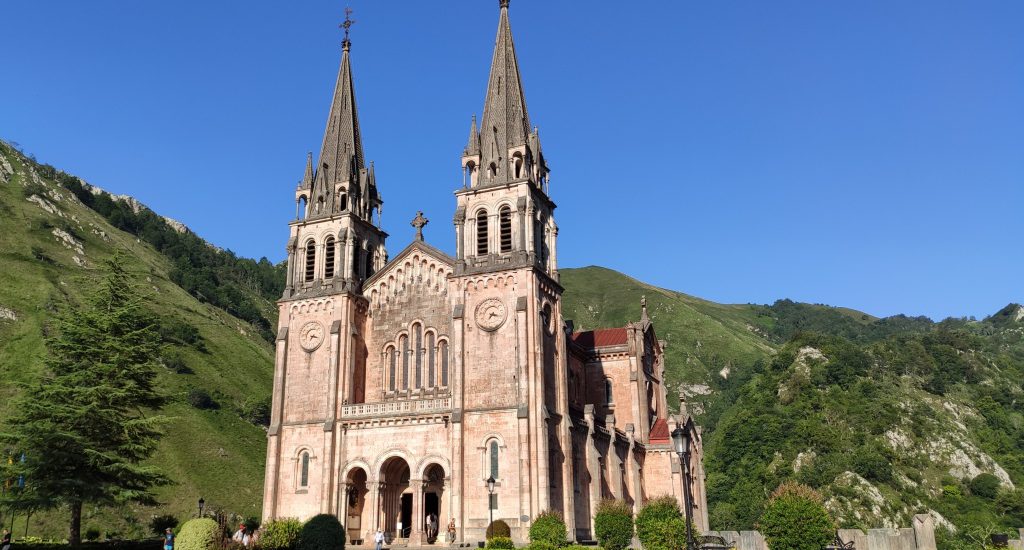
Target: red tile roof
[(600, 337), (659, 431)]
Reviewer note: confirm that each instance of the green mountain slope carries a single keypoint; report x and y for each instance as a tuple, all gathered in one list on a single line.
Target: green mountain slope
[(49, 244)]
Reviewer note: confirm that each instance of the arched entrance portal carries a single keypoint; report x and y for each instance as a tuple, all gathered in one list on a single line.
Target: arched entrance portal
[(354, 503), (435, 515), (395, 498)]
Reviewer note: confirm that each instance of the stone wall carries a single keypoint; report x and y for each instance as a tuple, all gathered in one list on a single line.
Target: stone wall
[(919, 537), (1017, 543)]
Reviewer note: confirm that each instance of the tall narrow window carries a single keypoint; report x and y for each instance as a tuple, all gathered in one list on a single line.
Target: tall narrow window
[(392, 360), (517, 162), (404, 345), (310, 261), (481, 232), (505, 224), (494, 459), (355, 261), (417, 338), (442, 350), (367, 263), (304, 475), (343, 202), (431, 352), (609, 398), (329, 258)]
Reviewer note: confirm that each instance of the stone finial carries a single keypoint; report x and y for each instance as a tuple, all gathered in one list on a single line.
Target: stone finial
[(503, 3), (418, 222), (643, 308), (347, 24), (683, 409)]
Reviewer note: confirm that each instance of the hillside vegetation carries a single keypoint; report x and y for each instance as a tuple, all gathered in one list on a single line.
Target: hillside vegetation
[(886, 417)]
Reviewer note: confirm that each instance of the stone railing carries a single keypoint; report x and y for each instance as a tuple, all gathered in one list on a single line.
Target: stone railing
[(919, 537), (397, 408)]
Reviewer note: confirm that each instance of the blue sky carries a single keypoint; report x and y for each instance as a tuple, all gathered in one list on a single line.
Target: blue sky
[(865, 154)]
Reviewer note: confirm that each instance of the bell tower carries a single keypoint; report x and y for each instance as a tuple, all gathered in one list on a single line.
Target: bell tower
[(507, 303)]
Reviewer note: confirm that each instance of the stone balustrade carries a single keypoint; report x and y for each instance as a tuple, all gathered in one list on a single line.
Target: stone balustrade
[(397, 408)]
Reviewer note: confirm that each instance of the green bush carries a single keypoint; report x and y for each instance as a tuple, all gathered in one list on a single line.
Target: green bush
[(504, 543), (549, 528), (322, 532), (198, 534), (281, 534), (91, 533), (159, 524), (498, 528), (613, 524), (538, 545), (796, 519), (660, 525), (984, 485)]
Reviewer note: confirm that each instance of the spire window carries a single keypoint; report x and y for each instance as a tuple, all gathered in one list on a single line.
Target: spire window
[(329, 257), (505, 228), (517, 164), (492, 171), (310, 261), (481, 233)]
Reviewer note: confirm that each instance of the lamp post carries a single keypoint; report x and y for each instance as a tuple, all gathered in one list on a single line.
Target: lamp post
[(490, 501), (681, 441), (202, 504)]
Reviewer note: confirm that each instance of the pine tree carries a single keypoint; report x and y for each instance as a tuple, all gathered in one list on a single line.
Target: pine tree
[(84, 428)]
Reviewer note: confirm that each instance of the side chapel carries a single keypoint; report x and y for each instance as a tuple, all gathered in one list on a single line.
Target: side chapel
[(402, 384)]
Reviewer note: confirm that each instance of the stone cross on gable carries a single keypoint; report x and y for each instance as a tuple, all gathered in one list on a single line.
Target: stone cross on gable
[(418, 222)]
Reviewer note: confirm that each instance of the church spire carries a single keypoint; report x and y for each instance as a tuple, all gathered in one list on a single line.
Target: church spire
[(505, 124)]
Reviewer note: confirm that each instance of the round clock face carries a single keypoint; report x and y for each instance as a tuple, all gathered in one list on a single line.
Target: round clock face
[(490, 314), (311, 335)]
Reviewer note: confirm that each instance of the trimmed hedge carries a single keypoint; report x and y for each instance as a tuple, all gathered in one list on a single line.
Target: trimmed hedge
[(281, 534), (660, 525), (498, 528), (322, 532), (796, 519), (549, 528), (613, 524), (503, 543), (198, 534)]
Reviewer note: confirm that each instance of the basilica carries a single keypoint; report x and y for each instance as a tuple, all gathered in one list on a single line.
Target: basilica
[(422, 385)]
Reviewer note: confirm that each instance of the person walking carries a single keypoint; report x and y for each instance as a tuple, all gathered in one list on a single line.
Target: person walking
[(378, 539), (5, 543), (168, 539)]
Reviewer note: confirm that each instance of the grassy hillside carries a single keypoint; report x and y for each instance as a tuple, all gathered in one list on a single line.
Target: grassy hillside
[(50, 243)]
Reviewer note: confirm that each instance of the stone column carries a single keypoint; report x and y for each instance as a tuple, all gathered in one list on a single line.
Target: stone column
[(924, 531), (593, 464), (416, 533), (458, 479), (523, 412), (273, 470)]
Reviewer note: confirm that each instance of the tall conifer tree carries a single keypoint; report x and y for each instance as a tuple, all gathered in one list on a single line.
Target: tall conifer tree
[(87, 428)]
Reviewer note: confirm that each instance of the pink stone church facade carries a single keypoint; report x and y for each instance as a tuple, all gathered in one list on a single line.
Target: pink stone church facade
[(403, 383)]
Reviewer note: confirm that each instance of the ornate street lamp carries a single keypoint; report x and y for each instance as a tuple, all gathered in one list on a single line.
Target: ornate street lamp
[(681, 442), (490, 500), (202, 504)]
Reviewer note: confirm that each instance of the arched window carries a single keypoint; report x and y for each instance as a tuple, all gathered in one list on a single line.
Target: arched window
[(304, 473), (300, 211), (310, 261), (517, 164), (342, 202), (505, 226), (431, 353), (492, 171), (442, 350), (403, 344), (609, 397), (417, 338), (481, 232), (390, 355), (493, 458), (319, 205), (329, 258)]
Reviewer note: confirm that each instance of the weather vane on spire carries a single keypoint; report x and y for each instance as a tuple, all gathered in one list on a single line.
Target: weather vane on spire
[(347, 23)]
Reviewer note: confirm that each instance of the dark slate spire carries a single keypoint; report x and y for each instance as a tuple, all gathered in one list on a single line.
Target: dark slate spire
[(505, 123), (341, 155), (307, 178), (473, 144)]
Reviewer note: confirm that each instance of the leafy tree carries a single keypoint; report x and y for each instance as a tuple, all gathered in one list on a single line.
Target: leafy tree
[(984, 485), (83, 428), (796, 519)]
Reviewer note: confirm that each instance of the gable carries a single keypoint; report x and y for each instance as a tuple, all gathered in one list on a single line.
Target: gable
[(419, 265)]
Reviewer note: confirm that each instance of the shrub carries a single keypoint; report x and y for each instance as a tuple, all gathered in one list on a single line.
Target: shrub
[(538, 545), (984, 485), (549, 528), (660, 525), (159, 524), (198, 534), (498, 528), (200, 399), (256, 410), (795, 519), (322, 532), (280, 534), (504, 543), (91, 533), (613, 524)]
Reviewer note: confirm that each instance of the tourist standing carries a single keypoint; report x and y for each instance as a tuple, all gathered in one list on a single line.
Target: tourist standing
[(451, 530), (239, 535), (5, 544), (378, 539), (168, 539)]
